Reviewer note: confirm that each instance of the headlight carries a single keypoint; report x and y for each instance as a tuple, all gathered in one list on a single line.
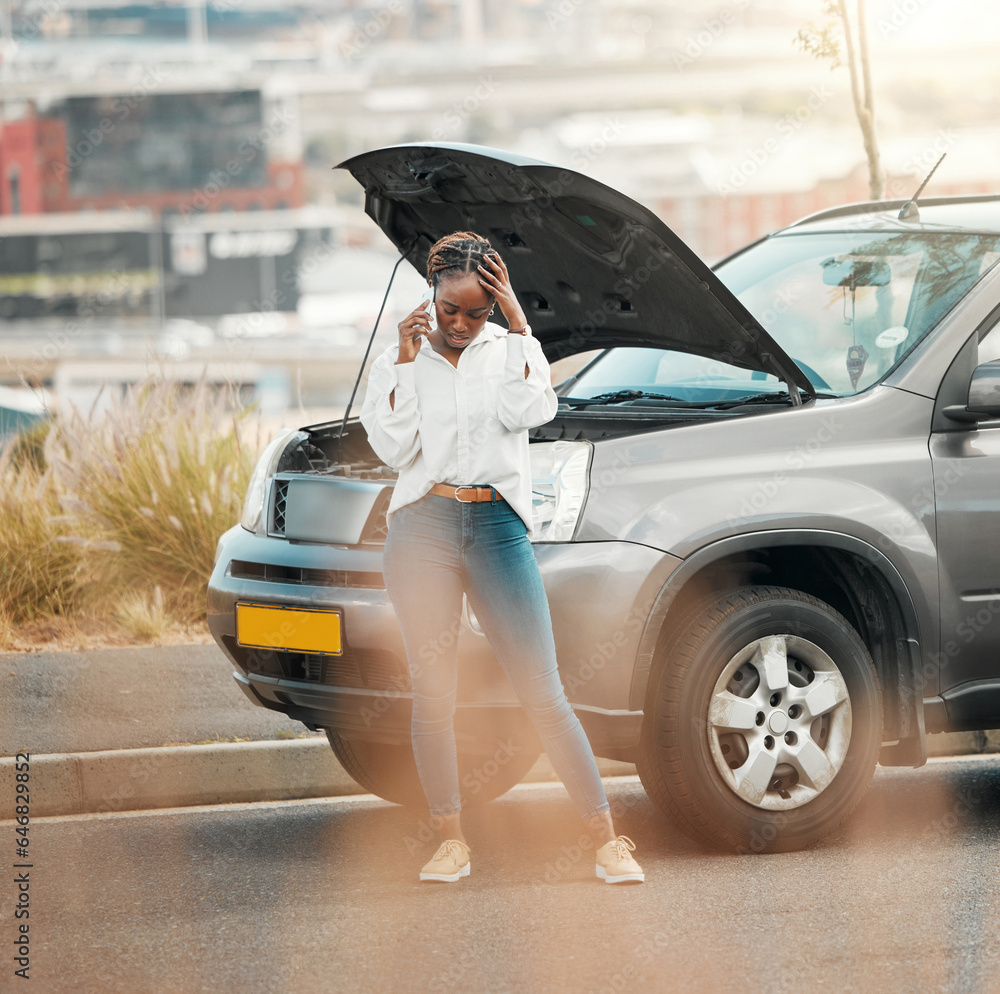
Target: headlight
[(253, 503), (560, 475)]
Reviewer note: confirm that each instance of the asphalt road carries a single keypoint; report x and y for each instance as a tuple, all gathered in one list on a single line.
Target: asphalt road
[(323, 895)]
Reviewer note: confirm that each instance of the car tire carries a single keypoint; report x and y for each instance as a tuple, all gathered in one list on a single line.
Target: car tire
[(764, 722), (390, 772)]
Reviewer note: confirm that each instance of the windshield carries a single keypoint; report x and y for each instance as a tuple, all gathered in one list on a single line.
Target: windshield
[(846, 306)]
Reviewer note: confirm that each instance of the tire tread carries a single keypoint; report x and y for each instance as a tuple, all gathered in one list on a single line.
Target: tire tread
[(665, 779)]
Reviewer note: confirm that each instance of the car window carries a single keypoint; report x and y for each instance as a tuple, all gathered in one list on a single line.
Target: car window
[(990, 259), (989, 345), (679, 375), (847, 306), (989, 342), (564, 369)]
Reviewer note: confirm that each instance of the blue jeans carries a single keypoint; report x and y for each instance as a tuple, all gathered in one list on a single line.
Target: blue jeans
[(437, 547)]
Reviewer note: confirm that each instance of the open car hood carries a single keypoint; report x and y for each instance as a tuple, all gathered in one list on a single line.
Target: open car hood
[(591, 267)]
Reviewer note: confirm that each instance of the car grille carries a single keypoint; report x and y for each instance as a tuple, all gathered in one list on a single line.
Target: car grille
[(240, 569), (280, 500), (374, 532), (362, 669), (376, 529)]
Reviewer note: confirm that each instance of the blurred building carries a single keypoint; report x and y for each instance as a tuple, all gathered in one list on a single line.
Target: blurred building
[(165, 151), (133, 266), (195, 123)]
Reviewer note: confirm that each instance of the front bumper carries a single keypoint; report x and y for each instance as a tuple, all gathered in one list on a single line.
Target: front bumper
[(599, 594)]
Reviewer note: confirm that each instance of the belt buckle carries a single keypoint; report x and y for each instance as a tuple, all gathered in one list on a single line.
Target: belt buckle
[(459, 499)]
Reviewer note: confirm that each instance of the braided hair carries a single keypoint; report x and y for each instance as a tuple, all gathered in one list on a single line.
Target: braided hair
[(459, 252)]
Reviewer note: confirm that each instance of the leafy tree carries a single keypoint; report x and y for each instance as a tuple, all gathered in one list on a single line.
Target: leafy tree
[(834, 39)]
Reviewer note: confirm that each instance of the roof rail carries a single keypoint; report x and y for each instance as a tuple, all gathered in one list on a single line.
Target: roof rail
[(878, 206)]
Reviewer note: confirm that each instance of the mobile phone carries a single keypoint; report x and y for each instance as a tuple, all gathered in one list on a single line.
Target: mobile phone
[(428, 298)]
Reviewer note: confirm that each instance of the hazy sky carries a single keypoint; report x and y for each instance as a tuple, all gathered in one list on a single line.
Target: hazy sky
[(925, 24)]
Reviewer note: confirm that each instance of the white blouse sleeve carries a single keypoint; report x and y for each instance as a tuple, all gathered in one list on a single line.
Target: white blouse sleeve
[(393, 429), (525, 401)]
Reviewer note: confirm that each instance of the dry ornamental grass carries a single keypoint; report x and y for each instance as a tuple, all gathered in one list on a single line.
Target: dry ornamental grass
[(119, 516), (39, 573)]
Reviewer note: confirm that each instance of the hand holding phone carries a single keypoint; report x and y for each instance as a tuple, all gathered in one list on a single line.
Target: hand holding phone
[(419, 322), (428, 299)]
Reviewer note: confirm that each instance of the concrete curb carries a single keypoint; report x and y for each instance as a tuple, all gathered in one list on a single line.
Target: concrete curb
[(235, 772), (183, 776), (177, 776)]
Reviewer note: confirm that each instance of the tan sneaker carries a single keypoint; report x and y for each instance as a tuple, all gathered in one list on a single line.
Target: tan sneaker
[(450, 862), (615, 864)]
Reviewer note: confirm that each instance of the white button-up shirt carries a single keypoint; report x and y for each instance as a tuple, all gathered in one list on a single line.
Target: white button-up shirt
[(464, 424)]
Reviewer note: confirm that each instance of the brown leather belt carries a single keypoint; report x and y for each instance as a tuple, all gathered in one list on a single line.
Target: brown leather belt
[(479, 494)]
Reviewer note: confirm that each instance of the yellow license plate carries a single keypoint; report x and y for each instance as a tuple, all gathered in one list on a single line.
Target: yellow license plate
[(301, 630)]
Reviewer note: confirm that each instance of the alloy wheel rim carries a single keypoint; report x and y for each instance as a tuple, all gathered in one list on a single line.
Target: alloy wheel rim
[(779, 722)]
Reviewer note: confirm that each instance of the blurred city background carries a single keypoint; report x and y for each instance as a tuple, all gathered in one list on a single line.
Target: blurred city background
[(168, 202)]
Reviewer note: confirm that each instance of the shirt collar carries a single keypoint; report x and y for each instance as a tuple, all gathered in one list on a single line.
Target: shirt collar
[(490, 332)]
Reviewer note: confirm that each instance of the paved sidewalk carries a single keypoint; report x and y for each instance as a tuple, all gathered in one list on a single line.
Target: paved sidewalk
[(59, 702)]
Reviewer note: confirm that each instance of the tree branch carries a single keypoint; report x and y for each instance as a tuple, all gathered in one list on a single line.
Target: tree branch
[(863, 107), (875, 177)]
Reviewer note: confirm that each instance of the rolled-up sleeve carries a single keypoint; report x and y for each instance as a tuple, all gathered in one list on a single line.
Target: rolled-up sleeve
[(525, 401), (393, 428)]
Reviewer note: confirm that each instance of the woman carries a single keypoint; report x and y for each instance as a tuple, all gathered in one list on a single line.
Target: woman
[(449, 407)]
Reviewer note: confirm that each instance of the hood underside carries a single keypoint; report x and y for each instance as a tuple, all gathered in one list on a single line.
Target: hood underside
[(591, 267)]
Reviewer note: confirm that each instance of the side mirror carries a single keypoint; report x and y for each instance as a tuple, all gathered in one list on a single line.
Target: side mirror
[(984, 396), (984, 390)]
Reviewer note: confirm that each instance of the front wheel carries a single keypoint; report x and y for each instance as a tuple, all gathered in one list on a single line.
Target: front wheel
[(764, 722), (390, 772)]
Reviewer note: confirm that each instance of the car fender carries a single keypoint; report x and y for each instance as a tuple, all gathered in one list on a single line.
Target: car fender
[(845, 514), (908, 691)]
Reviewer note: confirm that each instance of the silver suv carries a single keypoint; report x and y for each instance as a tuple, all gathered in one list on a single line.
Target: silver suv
[(767, 512)]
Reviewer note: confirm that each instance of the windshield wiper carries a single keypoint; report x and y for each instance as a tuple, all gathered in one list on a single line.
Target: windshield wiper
[(622, 396), (619, 397), (781, 397), (771, 398)]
